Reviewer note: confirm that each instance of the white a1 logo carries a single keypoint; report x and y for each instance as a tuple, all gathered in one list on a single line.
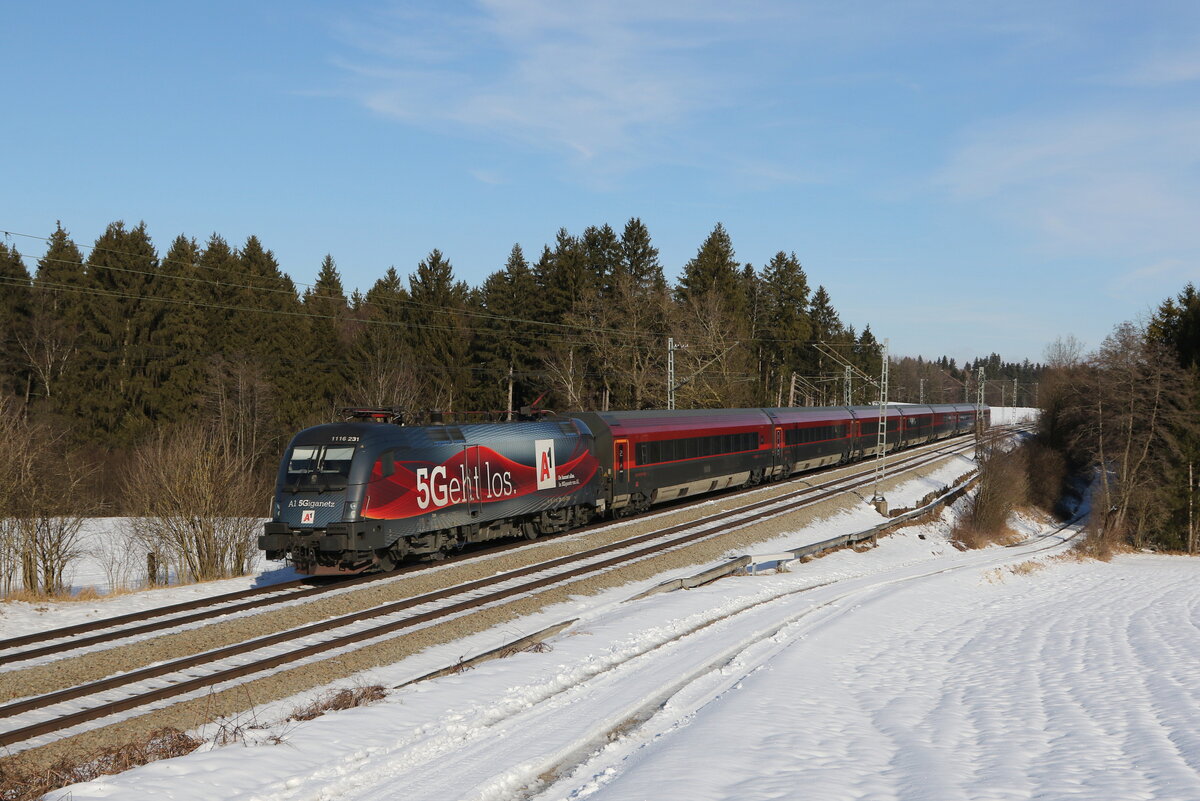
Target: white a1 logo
[(308, 516), (544, 463)]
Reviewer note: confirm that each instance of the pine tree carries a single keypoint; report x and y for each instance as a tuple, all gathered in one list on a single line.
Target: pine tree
[(640, 257), (180, 341), (827, 328), (868, 355), (15, 315), (227, 327), (279, 342), (1176, 323), (563, 278), (508, 340), (826, 324), (787, 328), (715, 269), (328, 313), (57, 317), (111, 389), (602, 253), (440, 335)]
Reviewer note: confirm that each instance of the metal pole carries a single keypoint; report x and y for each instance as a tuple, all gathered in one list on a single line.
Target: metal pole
[(922, 399), (881, 438), (979, 416), (846, 387), (510, 392), (670, 372)]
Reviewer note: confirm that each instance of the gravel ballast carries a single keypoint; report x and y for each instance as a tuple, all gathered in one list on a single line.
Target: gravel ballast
[(286, 682)]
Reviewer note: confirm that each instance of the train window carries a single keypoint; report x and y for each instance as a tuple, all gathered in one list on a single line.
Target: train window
[(670, 450), (337, 460), (326, 460), (304, 459)]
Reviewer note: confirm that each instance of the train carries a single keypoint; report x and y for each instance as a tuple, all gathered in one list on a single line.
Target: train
[(371, 492)]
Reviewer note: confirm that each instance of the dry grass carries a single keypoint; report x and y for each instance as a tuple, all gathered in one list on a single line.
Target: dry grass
[(972, 538), (87, 594), (19, 782), (1002, 489), (928, 499), (537, 647), (1100, 542), (337, 700), (998, 575)]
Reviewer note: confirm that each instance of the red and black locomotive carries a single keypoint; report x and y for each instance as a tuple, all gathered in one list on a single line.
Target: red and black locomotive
[(364, 495)]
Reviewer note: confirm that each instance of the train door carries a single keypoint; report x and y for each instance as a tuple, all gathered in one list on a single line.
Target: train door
[(780, 468), (621, 462)]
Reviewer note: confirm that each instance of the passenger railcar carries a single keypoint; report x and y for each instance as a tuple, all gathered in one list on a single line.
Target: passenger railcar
[(359, 496)]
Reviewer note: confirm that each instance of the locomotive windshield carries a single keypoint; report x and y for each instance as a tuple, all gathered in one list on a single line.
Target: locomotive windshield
[(319, 466)]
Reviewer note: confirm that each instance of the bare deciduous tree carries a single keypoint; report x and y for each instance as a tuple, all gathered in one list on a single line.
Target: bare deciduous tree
[(625, 333), (386, 378), (41, 506), (196, 496), (714, 370), (1123, 410)]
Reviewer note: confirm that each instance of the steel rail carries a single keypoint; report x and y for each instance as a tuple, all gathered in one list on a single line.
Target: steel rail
[(107, 629), (700, 529)]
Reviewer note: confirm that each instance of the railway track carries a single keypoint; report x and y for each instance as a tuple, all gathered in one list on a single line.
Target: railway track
[(60, 642), (696, 665), (33, 721)]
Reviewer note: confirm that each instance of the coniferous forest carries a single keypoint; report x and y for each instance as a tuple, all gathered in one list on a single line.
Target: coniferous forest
[(121, 359), (112, 344)]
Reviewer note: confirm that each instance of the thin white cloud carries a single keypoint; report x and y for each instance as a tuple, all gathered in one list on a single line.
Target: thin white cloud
[(1100, 184), (587, 78), (1166, 69)]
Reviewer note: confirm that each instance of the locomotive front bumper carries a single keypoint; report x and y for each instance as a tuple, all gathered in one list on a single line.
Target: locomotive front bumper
[(280, 539)]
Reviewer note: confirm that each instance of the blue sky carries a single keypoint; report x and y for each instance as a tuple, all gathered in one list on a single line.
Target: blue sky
[(965, 177)]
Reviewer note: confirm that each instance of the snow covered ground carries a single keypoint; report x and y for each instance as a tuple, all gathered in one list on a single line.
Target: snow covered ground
[(912, 671), (973, 682)]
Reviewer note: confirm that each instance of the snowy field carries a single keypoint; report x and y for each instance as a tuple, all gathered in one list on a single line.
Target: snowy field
[(911, 671)]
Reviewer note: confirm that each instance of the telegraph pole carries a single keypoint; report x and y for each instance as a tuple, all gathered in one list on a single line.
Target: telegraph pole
[(846, 387), (922, 397)]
